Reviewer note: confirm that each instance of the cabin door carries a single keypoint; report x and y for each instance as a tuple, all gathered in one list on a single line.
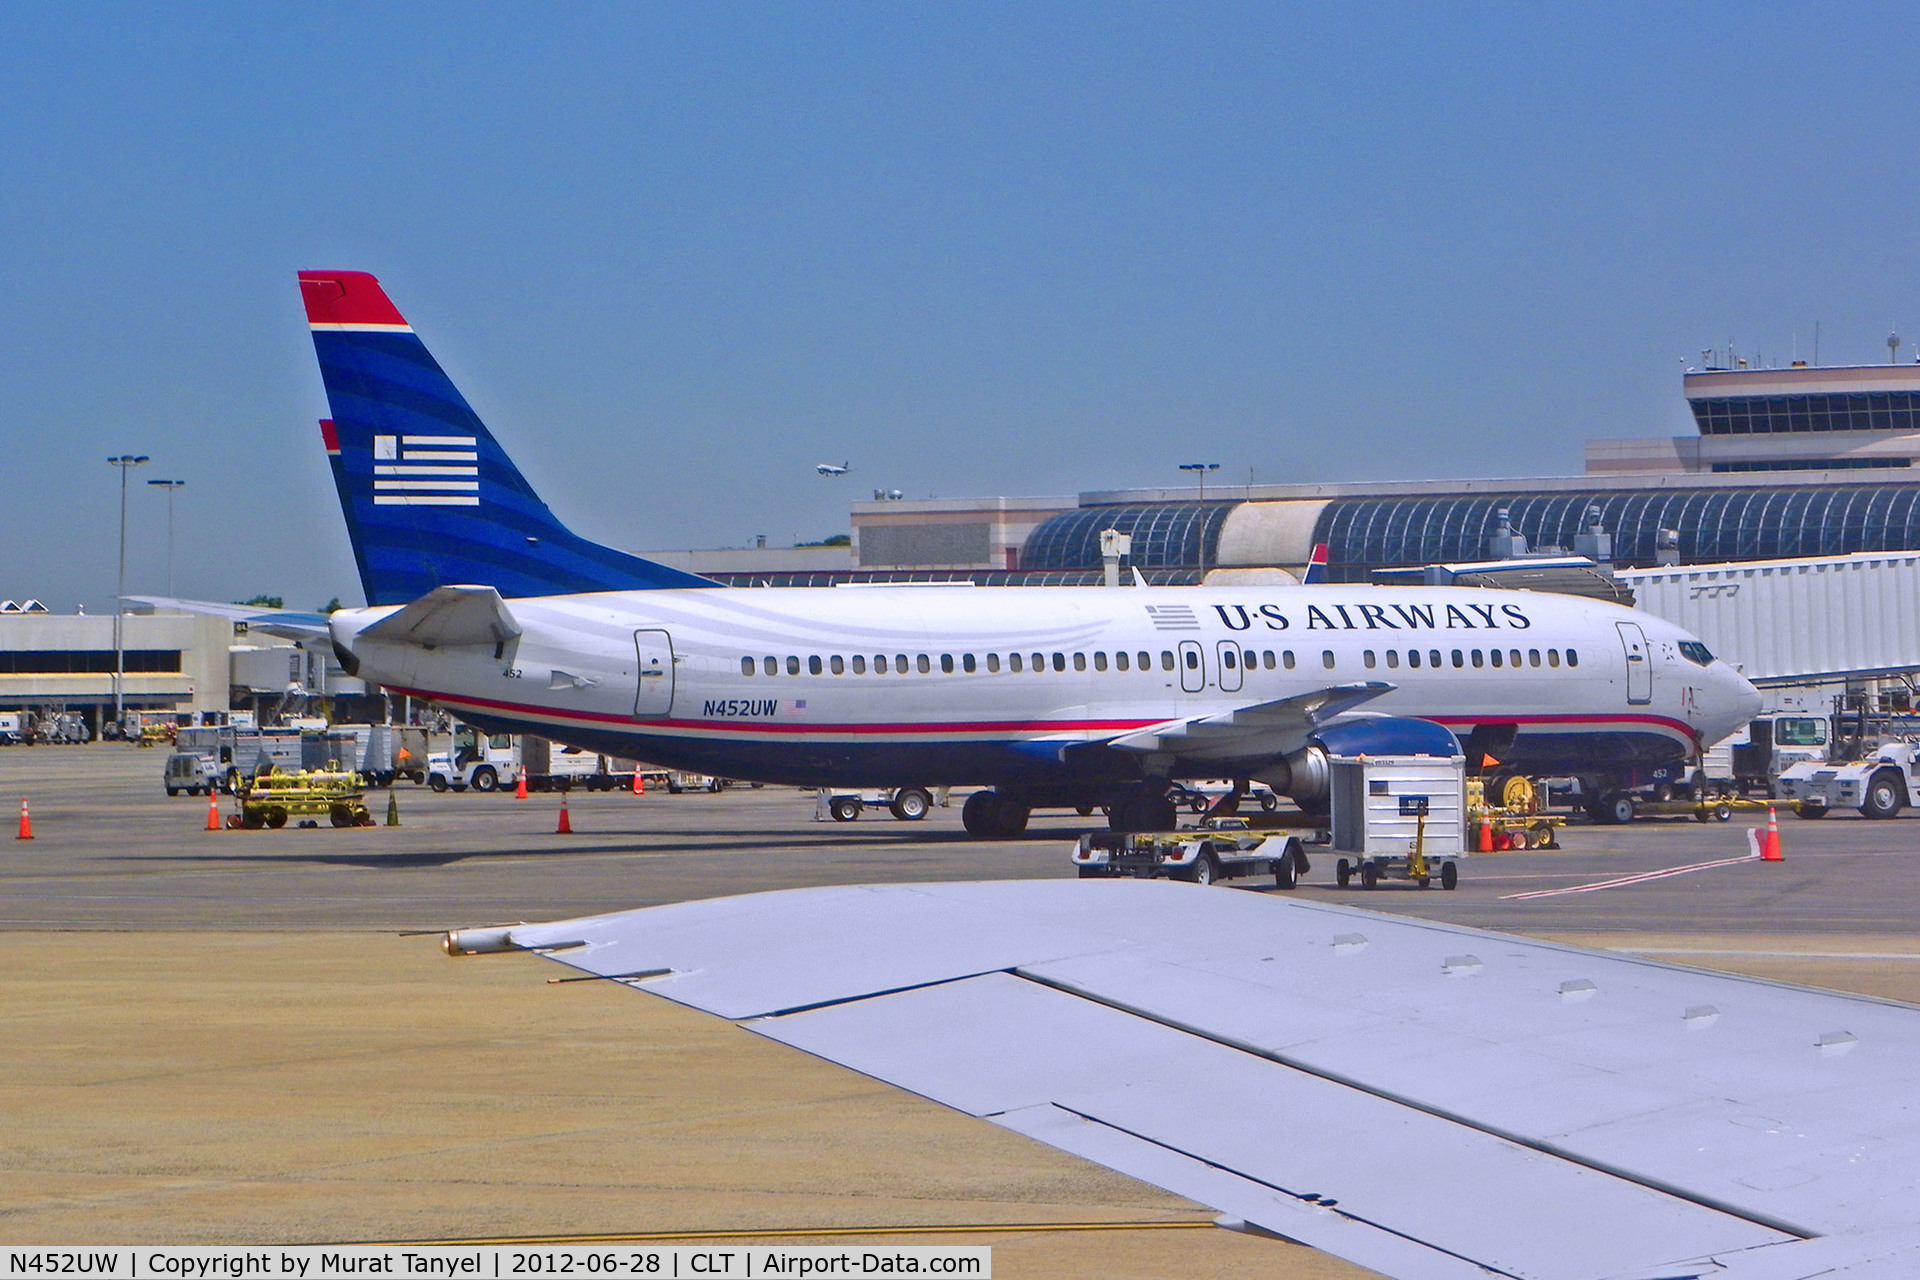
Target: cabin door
[(1639, 664), (655, 696)]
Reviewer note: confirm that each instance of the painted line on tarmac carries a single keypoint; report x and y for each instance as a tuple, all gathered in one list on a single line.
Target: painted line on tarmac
[(1621, 882)]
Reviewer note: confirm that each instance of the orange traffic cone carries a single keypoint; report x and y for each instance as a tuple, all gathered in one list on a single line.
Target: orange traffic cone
[(213, 810), (1770, 847), (639, 783), (1485, 842), (520, 787), (26, 823), (566, 824)]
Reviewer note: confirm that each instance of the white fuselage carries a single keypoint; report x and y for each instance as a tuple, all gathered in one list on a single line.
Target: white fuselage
[(954, 685)]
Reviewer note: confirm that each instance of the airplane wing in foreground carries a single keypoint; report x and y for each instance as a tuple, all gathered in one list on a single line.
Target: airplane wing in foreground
[(1426, 1100)]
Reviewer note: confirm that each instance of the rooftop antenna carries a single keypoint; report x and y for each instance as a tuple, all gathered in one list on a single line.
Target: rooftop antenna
[(1893, 347), (1816, 344)]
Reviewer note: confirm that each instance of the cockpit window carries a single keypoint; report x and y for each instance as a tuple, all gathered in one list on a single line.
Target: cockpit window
[(1695, 652)]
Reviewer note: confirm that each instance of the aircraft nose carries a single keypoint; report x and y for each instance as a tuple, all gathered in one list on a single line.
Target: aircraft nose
[(1742, 701)]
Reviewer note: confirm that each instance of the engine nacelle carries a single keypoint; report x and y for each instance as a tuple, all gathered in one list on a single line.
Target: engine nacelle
[(1306, 776)]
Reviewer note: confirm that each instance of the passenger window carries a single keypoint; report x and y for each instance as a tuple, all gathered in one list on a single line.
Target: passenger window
[(1479, 659), (1553, 657), (900, 663), (1099, 661), (1533, 657), (923, 663), (1166, 659), (1573, 657), (993, 662), (1146, 661), (1266, 659), (1367, 658), (1326, 659), (1079, 662), (1413, 657), (770, 665), (1228, 660), (1120, 662), (1193, 660), (1286, 658), (879, 664), (1015, 662), (746, 666), (1393, 658), (813, 664), (1459, 659), (1513, 657), (859, 664), (1251, 658), (1039, 662), (837, 664), (966, 662), (1433, 657), (1495, 656), (793, 665), (946, 663)]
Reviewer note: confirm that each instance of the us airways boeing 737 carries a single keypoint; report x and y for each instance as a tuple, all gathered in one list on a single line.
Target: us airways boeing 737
[(480, 600)]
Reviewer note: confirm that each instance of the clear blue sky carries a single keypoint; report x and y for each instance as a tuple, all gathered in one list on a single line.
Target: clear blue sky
[(677, 254)]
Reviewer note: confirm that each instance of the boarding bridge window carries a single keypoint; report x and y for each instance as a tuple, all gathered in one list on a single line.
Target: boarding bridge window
[(1015, 662), (1479, 659), (746, 666), (1393, 657), (993, 662), (793, 665), (924, 664), (1326, 659), (1099, 661), (1573, 657), (1695, 652), (837, 665), (946, 664), (1800, 731), (1553, 657), (966, 663), (859, 664)]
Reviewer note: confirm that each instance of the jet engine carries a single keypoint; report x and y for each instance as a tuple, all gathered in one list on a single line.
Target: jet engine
[(1304, 775)]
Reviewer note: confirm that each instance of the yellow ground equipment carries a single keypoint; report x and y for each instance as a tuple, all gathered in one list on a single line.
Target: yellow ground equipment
[(1505, 812), (271, 798)]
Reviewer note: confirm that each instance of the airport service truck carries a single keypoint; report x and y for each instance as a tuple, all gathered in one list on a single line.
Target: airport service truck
[(1879, 787), (381, 753), (478, 761), (209, 756)]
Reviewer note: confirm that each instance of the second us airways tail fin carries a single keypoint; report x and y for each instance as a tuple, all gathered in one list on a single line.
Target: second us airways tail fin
[(430, 497), (1316, 565)]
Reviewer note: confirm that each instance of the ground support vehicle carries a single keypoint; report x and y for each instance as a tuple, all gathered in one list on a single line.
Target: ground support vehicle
[(1753, 759), (1505, 813), (1198, 797), (909, 804), (1226, 849), (270, 799), (381, 753), (476, 761), (1879, 787), (209, 756), (1712, 809), (1398, 817)]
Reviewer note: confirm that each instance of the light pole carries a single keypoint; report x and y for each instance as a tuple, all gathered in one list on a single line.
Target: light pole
[(126, 462), (1200, 470), (169, 486)]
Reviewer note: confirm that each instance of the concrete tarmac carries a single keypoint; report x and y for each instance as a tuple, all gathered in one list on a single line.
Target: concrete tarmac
[(229, 1037)]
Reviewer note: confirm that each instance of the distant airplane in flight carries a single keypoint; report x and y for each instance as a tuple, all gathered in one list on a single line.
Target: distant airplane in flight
[(828, 469)]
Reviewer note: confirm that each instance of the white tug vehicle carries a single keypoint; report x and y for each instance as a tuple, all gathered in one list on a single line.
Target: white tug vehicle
[(1879, 786)]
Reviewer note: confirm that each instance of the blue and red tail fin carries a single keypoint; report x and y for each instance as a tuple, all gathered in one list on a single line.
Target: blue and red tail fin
[(430, 497), (1316, 565)]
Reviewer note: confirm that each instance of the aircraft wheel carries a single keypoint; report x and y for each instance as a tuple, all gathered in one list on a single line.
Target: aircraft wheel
[(844, 809), (1010, 817), (910, 804), (1449, 876), (980, 814)]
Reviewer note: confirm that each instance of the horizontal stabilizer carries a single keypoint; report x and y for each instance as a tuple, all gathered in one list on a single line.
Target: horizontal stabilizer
[(449, 616), (1262, 729), (291, 623)]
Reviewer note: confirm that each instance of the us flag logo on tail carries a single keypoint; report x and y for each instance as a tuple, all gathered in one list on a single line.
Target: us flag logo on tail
[(426, 471)]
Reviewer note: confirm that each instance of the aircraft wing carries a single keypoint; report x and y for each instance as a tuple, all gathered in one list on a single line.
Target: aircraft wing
[(1261, 729), (290, 623), (1430, 1101)]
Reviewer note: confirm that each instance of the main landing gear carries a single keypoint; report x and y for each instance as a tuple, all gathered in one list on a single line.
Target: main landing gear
[(992, 816)]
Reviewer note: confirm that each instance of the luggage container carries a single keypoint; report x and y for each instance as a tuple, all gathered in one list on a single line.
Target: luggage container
[(1398, 817)]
